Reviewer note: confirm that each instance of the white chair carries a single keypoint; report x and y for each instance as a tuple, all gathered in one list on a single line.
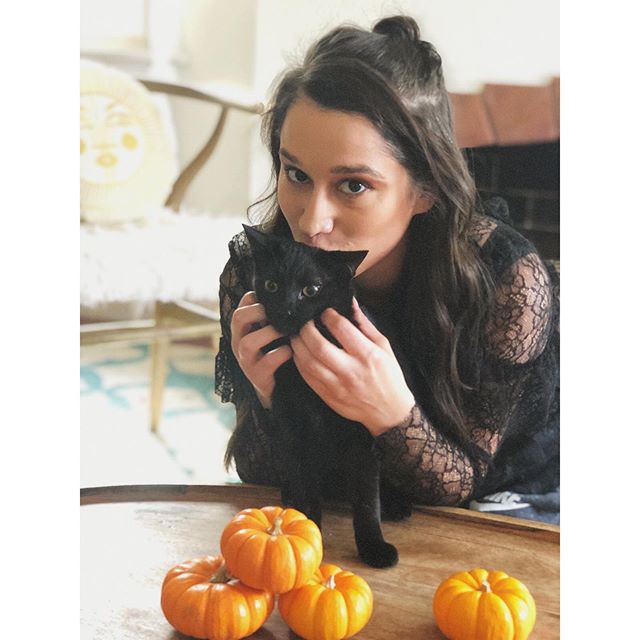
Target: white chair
[(167, 257)]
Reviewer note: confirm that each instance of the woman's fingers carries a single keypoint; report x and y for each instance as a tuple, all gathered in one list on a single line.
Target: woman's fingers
[(246, 318), (272, 361), (251, 345), (250, 334), (315, 373), (321, 349), (248, 298), (353, 341)]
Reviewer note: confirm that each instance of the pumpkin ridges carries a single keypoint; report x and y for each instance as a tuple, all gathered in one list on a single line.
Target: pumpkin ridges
[(521, 617), (221, 599), (254, 517), (463, 608), (303, 599), (508, 584), (500, 608), (479, 576), (249, 519), (211, 614), (271, 513), (276, 559), (180, 570), (351, 587), (333, 604), (252, 546), (217, 610), (523, 606), (190, 613), (244, 543), (309, 559), (494, 617), (279, 553), (259, 609), (174, 588), (331, 618), (301, 557), (442, 600)]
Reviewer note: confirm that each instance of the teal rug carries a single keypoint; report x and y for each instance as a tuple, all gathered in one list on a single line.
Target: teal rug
[(117, 446)]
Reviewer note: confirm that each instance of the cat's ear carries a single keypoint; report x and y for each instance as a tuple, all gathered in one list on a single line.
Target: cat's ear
[(257, 239), (351, 259)]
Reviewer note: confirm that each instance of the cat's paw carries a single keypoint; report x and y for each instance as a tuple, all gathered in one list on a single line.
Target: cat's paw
[(378, 555), (395, 510)]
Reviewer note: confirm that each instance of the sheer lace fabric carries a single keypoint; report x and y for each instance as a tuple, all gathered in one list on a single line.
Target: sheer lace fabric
[(513, 416)]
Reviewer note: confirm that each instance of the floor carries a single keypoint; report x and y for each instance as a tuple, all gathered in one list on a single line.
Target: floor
[(117, 446)]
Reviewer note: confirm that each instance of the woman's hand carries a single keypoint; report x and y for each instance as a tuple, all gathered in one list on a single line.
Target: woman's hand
[(249, 333), (363, 381)]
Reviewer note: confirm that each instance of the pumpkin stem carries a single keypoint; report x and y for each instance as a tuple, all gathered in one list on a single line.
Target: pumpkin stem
[(221, 575), (331, 582), (486, 587), (276, 529)]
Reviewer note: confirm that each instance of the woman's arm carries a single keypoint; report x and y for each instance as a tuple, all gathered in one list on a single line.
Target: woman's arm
[(251, 445), (417, 456), (362, 383)]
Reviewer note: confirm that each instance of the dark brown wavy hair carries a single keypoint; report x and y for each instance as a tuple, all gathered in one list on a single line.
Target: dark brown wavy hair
[(393, 78)]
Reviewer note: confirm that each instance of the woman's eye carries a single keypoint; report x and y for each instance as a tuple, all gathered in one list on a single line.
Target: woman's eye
[(311, 290), (271, 286), (353, 187), (297, 176)]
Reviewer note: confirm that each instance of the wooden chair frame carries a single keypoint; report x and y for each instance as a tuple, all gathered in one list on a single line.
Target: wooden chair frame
[(179, 319)]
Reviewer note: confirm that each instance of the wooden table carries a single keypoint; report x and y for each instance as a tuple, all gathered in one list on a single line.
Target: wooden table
[(131, 536)]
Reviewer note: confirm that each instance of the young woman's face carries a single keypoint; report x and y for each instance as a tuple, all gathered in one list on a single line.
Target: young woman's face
[(340, 187)]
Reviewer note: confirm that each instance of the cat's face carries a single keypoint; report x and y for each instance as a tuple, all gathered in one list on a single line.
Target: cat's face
[(296, 283)]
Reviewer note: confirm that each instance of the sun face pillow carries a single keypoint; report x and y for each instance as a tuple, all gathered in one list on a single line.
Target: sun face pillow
[(127, 164)]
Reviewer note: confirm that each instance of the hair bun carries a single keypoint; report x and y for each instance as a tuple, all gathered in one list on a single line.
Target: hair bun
[(400, 27)]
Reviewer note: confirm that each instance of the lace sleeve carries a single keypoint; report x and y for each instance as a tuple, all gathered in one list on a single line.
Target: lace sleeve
[(518, 328), (250, 445), (418, 458)]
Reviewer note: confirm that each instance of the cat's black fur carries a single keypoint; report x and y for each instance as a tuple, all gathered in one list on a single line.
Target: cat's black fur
[(322, 452)]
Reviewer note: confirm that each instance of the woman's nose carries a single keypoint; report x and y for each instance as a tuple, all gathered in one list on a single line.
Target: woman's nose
[(317, 215)]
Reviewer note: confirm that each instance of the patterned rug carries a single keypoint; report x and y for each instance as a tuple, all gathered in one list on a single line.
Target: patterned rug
[(117, 446)]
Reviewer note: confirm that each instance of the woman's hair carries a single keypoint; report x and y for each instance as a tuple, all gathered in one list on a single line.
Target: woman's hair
[(395, 80)]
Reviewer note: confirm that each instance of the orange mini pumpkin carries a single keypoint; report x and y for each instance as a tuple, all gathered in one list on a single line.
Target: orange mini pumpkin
[(272, 548), (335, 604), (484, 605), (201, 600)]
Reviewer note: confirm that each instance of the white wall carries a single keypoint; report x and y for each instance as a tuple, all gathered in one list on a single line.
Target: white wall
[(248, 42), (218, 44), (479, 41)]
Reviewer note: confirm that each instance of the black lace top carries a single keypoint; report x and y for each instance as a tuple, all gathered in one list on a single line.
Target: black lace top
[(513, 415)]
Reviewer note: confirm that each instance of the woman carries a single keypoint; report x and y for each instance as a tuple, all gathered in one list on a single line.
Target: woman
[(364, 155)]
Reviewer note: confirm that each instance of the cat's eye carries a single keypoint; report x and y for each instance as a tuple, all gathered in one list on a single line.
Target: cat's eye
[(311, 290), (271, 286)]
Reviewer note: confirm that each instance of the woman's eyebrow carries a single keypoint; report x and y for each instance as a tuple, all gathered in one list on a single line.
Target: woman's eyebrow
[(358, 168)]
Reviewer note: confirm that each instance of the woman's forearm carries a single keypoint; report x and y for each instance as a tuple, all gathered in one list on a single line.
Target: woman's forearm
[(418, 459)]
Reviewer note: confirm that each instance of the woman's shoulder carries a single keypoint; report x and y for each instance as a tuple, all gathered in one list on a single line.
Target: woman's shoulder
[(239, 246), (238, 271), (499, 243)]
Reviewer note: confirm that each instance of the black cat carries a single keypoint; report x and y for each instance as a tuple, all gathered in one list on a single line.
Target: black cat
[(323, 453)]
